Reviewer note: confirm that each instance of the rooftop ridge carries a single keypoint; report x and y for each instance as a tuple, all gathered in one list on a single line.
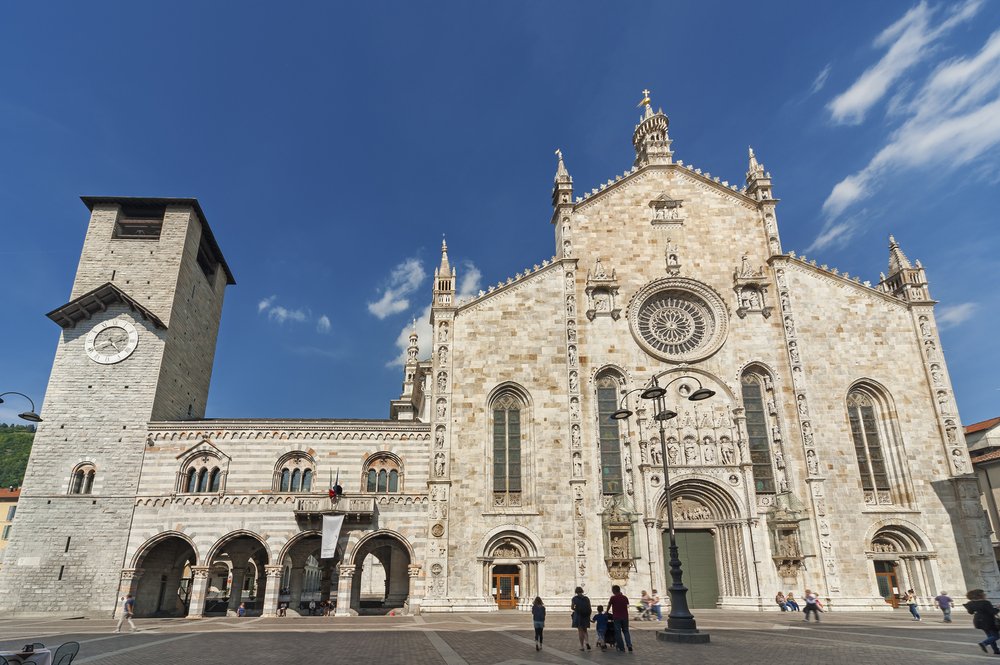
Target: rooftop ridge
[(635, 169), (510, 282)]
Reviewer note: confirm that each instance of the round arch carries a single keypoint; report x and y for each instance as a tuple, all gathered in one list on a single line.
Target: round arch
[(381, 580), (233, 535), (903, 533), (373, 535), (165, 569), (151, 542), (722, 503), (902, 558), (510, 386), (525, 537)]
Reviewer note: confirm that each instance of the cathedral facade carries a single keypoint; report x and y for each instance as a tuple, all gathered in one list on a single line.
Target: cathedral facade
[(829, 455)]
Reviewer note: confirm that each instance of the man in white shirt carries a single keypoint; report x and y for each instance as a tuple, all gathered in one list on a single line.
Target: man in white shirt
[(128, 608)]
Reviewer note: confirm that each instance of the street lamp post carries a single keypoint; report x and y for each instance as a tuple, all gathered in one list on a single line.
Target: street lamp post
[(681, 625), (30, 416)]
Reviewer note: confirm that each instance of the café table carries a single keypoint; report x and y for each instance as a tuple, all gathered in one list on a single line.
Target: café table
[(38, 657)]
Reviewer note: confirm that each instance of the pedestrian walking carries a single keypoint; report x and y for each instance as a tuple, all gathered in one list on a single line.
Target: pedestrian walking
[(581, 616), (657, 605), (618, 603), (538, 620), (944, 602), (984, 617), (241, 611), (128, 609), (911, 602), (812, 605)]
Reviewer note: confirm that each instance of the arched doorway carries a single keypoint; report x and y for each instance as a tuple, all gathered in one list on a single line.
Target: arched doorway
[(901, 560), (307, 581), (236, 575), (393, 557), (510, 570), (710, 540), (164, 587)]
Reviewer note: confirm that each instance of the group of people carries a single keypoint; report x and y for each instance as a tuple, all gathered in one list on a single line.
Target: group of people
[(811, 604), (611, 625), (650, 605)]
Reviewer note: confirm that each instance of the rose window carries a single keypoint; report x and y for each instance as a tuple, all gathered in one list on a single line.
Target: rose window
[(678, 320)]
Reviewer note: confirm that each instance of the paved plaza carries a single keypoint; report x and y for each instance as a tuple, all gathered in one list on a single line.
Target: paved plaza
[(870, 638)]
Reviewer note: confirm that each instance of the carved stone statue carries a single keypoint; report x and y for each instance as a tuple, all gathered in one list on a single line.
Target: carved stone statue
[(728, 452), (812, 463), (690, 451), (958, 461), (439, 465)]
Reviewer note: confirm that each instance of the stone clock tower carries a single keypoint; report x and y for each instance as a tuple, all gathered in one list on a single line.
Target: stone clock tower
[(137, 344)]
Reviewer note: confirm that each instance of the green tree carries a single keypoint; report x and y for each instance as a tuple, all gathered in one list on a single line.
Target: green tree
[(15, 446)]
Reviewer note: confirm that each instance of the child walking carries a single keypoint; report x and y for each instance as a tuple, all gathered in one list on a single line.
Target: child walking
[(538, 619), (601, 624)]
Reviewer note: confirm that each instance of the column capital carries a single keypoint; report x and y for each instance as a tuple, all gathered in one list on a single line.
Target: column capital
[(274, 571), (131, 573), (347, 570), (200, 572)]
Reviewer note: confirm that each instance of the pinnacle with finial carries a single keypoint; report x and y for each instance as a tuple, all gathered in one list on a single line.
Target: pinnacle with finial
[(562, 174), (897, 259)]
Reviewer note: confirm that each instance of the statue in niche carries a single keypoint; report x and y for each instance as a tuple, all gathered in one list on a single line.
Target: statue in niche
[(768, 384), (575, 435), (602, 301), (750, 298), (443, 331), (572, 356), (930, 349), (439, 465), (770, 406), (628, 459), (943, 401), (443, 355), (789, 326), (807, 434), (779, 459), (690, 450), (812, 463), (578, 492), (442, 381), (793, 351), (925, 328), (599, 272), (958, 461), (706, 421), (574, 382), (936, 375), (775, 433), (629, 488), (672, 451), (619, 547), (567, 248), (708, 451), (728, 452), (574, 409), (654, 452), (803, 407), (745, 269), (439, 438), (442, 410), (571, 334), (570, 304), (950, 431), (577, 465)]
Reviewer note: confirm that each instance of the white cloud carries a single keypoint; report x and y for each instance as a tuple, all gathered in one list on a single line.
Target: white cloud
[(403, 281), (468, 283), (265, 303), (323, 324), (282, 314), (820, 79), (909, 41), (835, 235), (953, 315), (951, 120)]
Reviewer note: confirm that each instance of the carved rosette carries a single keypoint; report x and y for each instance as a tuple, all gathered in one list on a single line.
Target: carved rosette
[(678, 319)]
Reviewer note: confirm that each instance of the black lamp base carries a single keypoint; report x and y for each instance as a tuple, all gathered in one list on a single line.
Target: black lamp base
[(682, 636)]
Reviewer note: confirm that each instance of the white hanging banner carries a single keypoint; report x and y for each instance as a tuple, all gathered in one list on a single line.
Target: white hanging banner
[(331, 533)]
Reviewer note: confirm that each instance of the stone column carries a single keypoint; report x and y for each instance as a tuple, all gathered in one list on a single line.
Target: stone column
[(399, 586), (236, 589), (271, 590), (127, 585), (344, 590), (355, 594), (414, 595), (295, 584), (199, 590)]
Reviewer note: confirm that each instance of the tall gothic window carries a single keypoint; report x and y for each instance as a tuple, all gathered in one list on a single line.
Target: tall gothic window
[(868, 447), (609, 434), (758, 432), (507, 444)]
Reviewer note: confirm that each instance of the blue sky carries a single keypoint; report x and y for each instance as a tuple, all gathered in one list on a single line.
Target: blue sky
[(331, 145)]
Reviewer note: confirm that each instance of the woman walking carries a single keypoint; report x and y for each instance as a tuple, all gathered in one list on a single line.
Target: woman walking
[(984, 617), (538, 618), (911, 602), (581, 616)]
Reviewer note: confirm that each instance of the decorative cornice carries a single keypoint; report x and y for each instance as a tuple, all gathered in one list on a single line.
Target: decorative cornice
[(842, 279), (513, 283)]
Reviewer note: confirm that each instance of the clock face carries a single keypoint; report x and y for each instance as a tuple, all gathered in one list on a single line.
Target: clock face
[(112, 341)]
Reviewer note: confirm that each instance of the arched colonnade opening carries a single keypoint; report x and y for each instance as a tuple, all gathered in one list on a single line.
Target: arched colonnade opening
[(161, 577), (902, 560), (308, 581), (510, 570), (381, 578)]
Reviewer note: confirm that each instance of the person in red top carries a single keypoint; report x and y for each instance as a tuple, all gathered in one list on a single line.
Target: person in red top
[(618, 604)]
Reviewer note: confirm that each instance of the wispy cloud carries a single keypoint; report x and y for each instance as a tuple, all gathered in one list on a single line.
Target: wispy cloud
[(280, 314), (469, 280), (951, 119), (403, 281), (950, 316), (323, 324), (265, 303), (909, 41), (820, 80)]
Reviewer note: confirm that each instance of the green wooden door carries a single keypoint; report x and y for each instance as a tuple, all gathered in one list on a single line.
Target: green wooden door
[(696, 549)]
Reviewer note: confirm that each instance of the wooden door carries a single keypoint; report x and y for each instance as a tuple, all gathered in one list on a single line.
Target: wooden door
[(888, 582), (507, 586), (696, 550)]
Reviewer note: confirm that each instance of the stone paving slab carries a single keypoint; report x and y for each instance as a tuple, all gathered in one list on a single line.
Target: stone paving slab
[(502, 639)]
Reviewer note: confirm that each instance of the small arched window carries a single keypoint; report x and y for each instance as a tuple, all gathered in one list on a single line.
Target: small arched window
[(201, 474), (82, 480), (382, 473), (294, 472)]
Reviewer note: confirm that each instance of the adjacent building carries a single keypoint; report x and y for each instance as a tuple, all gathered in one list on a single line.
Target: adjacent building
[(831, 455), (983, 439)]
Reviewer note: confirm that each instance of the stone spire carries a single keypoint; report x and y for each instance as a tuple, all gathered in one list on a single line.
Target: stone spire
[(758, 180), (897, 260), (651, 139), (444, 280), (413, 348), (904, 280)]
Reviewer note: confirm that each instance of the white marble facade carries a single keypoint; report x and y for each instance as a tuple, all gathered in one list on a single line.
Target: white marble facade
[(830, 456)]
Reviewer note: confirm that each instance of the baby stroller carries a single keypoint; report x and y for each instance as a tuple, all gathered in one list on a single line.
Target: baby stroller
[(644, 612)]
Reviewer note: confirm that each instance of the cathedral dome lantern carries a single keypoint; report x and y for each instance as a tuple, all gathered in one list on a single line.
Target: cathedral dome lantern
[(650, 138)]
